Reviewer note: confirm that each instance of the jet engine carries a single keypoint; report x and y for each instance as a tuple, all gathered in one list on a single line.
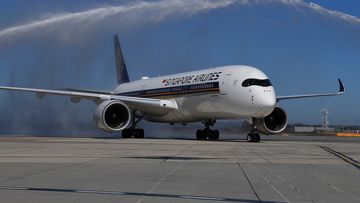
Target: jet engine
[(274, 123), (112, 116)]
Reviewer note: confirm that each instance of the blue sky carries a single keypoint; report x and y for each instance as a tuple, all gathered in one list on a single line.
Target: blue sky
[(347, 6), (301, 50)]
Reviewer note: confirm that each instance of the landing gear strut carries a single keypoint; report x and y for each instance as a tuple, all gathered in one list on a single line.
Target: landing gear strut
[(134, 132), (207, 133), (253, 136)]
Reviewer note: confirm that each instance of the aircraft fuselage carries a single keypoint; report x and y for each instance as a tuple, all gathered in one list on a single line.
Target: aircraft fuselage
[(228, 92)]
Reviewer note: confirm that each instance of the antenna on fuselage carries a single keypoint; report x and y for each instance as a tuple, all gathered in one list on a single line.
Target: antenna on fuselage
[(122, 74)]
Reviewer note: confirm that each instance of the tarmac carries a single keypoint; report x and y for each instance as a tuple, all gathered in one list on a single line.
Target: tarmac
[(278, 169)]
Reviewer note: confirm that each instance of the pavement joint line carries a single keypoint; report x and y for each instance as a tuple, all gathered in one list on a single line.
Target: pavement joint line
[(178, 153), (48, 170), (248, 180), (160, 181), (342, 191), (342, 156), (332, 186), (289, 184), (272, 186), (335, 188), (269, 162)]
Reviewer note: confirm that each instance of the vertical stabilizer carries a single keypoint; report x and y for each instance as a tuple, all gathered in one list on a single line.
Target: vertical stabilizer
[(122, 74)]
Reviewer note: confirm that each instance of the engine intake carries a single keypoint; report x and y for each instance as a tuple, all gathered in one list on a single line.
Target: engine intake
[(274, 123), (112, 116)]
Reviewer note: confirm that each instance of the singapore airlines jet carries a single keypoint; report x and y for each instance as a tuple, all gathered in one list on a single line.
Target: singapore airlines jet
[(227, 92)]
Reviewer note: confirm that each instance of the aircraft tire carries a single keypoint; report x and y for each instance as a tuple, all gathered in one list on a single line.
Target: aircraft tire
[(216, 135), (253, 137), (249, 137), (198, 134), (201, 134), (126, 133), (209, 134), (139, 133), (256, 137)]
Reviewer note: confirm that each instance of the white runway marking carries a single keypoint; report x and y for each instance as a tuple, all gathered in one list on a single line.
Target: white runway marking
[(202, 198), (159, 182), (268, 182)]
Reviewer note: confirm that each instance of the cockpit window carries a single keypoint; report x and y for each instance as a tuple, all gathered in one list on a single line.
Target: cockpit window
[(256, 82)]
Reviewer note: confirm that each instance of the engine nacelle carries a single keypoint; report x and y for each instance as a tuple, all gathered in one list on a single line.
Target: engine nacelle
[(274, 123), (112, 116)]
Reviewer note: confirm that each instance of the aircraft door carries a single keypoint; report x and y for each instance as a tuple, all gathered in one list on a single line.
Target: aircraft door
[(224, 84)]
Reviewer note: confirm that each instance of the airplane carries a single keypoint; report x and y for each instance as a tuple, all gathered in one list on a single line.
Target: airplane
[(227, 92)]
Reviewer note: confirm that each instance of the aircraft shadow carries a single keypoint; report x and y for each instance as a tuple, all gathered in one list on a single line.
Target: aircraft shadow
[(140, 194)]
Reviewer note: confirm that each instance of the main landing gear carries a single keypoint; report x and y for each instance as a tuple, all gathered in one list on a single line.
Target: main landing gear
[(134, 132), (207, 133)]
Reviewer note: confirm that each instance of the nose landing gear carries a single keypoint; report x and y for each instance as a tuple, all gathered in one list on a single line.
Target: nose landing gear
[(253, 136), (207, 133)]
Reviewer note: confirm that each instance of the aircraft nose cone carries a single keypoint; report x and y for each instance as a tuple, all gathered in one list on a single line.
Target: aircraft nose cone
[(269, 101), (266, 101)]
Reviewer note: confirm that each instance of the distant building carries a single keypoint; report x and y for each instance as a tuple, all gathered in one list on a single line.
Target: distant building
[(312, 129), (304, 129)]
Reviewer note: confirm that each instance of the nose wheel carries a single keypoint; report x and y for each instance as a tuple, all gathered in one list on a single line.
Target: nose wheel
[(207, 133), (253, 137)]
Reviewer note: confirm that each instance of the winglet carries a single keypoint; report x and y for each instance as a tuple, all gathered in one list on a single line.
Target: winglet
[(122, 74), (342, 88)]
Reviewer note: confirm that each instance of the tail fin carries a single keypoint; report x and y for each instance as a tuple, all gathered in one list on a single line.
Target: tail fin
[(122, 74)]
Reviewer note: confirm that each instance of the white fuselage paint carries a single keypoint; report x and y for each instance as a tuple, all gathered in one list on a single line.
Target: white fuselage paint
[(231, 101)]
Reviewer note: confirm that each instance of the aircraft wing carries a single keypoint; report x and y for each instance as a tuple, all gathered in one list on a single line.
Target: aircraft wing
[(340, 92), (147, 105)]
